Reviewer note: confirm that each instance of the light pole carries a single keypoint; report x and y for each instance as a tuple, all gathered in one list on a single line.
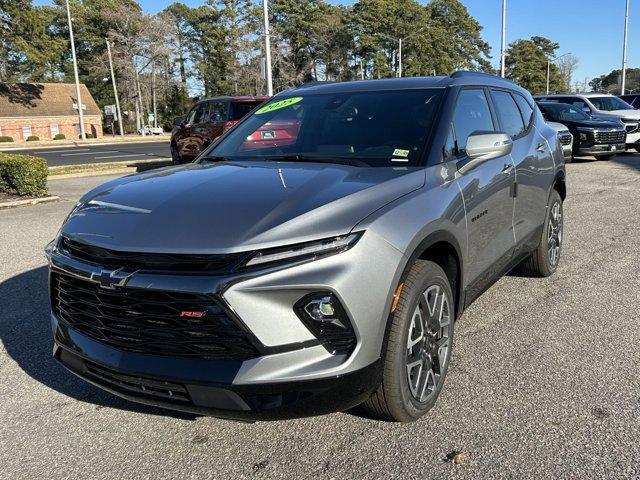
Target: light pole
[(115, 89), (624, 48), (549, 60), (267, 48), (75, 74), (503, 45)]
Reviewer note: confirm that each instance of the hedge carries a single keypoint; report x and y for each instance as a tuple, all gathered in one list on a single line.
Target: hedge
[(59, 136), (23, 174), (6, 139), (33, 138)]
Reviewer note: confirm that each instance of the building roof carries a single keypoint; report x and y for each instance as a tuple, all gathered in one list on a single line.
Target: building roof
[(43, 100)]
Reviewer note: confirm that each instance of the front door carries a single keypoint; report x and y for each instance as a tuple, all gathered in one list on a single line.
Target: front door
[(487, 191)]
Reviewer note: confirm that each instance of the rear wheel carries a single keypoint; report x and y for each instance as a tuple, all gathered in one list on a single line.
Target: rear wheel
[(544, 260), (418, 348)]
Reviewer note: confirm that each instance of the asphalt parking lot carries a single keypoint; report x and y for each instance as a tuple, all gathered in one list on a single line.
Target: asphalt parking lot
[(113, 152), (544, 381)]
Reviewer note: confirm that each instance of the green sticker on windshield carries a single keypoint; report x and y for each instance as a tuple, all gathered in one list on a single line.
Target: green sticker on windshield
[(278, 105), (400, 153)]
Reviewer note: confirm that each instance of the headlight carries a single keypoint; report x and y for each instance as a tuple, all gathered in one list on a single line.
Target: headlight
[(305, 251)]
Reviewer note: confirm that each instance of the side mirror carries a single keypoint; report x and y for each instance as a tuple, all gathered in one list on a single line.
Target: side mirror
[(178, 121), (483, 146)]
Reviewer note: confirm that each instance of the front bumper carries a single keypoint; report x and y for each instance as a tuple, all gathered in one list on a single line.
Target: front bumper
[(294, 374), (601, 148), (205, 387)]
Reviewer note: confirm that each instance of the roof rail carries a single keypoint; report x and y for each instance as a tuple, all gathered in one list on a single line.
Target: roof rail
[(472, 73), (314, 83)]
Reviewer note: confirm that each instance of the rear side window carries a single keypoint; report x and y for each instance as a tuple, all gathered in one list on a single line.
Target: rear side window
[(471, 114), (219, 112), (525, 109), (240, 109), (508, 113)]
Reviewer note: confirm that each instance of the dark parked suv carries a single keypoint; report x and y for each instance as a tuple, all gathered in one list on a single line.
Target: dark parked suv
[(275, 279), (632, 99), (206, 121), (591, 136)]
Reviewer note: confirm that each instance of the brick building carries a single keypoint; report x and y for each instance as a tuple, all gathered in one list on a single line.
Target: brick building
[(46, 109)]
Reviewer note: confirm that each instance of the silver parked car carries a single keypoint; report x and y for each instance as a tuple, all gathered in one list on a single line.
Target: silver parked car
[(565, 138), (316, 256)]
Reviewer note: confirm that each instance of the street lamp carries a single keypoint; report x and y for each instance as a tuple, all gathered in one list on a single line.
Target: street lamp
[(549, 60), (624, 48), (503, 43), (400, 42), (267, 48), (75, 73)]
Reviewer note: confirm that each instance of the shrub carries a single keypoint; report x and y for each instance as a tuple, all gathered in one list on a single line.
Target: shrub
[(6, 139), (23, 174), (33, 138), (87, 136), (59, 136)]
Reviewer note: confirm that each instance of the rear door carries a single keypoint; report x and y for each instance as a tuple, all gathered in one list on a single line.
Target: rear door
[(487, 192)]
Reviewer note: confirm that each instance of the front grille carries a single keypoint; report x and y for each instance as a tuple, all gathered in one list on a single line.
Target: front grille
[(149, 261), (149, 321), (610, 137), (565, 138), (632, 128)]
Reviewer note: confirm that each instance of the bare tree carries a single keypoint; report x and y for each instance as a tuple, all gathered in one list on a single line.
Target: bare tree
[(567, 66)]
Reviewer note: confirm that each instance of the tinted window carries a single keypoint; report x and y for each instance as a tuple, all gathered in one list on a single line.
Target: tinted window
[(219, 112), (525, 109), (201, 114), (508, 113), (379, 128), (240, 109), (472, 113), (559, 112)]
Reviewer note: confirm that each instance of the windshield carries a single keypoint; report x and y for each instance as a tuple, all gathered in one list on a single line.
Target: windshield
[(610, 103), (559, 112), (376, 129)]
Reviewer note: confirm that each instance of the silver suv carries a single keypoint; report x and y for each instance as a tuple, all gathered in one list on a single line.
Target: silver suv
[(604, 106), (316, 256)]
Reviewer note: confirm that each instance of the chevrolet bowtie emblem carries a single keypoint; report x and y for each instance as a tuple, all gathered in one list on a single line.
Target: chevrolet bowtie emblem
[(110, 279)]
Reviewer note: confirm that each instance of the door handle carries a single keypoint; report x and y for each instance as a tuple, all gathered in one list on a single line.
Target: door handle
[(507, 169), (540, 147)]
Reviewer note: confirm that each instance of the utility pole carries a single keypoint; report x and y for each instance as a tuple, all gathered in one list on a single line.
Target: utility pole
[(267, 48), (549, 60), (115, 89), (624, 48), (75, 74), (503, 48), (153, 95), (400, 58)]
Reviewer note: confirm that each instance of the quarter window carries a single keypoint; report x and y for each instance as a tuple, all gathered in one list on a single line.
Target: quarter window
[(471, 114), (525, 109), (508, 113)]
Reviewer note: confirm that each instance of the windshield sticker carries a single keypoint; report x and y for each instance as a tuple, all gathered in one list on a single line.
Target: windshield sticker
[(400, 153), (278, 105)]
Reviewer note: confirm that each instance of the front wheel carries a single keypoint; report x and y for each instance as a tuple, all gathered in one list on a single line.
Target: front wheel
[(418, 348), (544, 260), (175, 154)]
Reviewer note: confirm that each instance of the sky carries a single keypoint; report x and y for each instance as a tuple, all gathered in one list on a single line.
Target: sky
[(590, 29)]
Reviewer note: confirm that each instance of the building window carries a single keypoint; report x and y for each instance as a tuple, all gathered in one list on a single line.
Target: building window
[(26, 131), (54, 129)]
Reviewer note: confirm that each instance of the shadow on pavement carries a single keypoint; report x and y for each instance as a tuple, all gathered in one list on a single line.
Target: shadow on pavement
[(26, 334), (631, 159)]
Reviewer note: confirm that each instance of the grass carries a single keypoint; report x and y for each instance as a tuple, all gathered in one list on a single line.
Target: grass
[(106, 168)]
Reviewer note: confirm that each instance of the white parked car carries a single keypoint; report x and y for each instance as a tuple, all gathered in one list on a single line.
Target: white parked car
[(149, 130)]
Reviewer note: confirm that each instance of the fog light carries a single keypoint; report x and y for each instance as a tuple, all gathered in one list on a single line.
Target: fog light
[(325, 317)]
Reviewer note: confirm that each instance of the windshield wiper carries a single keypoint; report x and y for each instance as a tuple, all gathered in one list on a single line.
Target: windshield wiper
[(318, 159)]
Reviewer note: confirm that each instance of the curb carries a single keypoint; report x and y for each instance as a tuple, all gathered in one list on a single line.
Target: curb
[(87, 143), (29, 201)]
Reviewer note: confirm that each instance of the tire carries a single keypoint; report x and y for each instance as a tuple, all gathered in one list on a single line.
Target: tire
[(605, 157), (408, 391), (543, 262), (175, 155)]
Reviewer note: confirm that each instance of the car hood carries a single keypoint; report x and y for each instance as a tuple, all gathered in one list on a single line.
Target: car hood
[(558, 127), (595, 123), (229, 207), (630, 114)]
